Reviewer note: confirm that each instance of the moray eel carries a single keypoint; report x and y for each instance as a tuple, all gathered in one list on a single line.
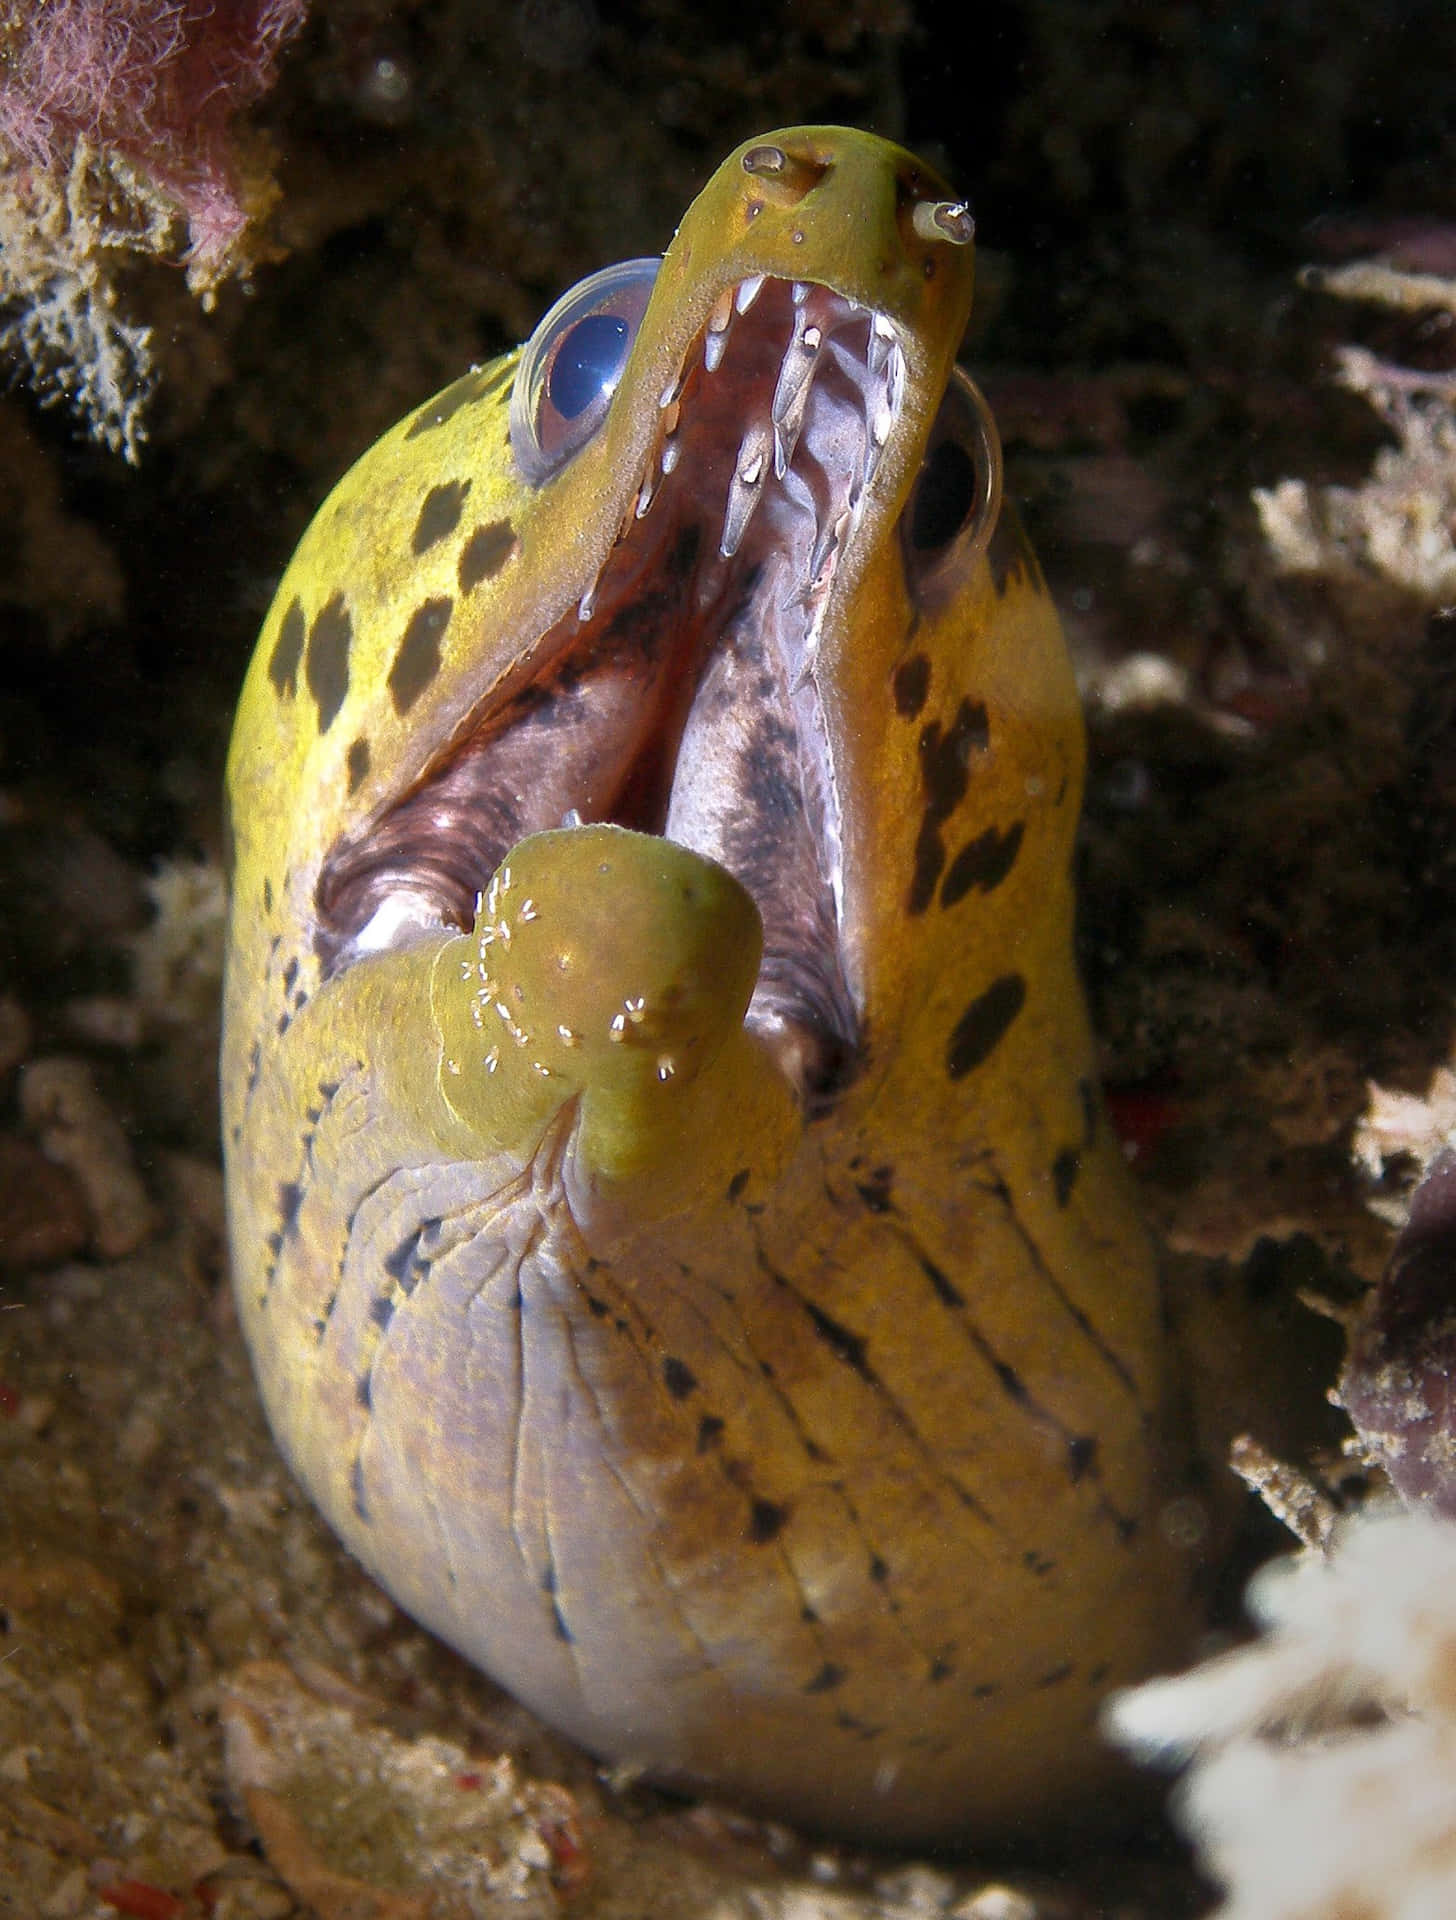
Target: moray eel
[(673, 1221)]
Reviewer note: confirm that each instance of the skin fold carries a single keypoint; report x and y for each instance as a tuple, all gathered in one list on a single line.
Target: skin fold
[(775, 1402)]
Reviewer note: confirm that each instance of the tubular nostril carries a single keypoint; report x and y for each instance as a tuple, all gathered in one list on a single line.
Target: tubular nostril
[(769, 161), (944, 220), (794, 171)]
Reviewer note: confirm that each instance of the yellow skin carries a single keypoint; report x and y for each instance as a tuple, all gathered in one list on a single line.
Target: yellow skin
[(808, 1453)]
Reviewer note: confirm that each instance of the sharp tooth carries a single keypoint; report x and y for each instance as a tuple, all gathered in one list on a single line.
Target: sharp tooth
[(881, 341), (882, 425), (825, 547), (791, 397), (716, 338), (644, 497), (671, 393), (585, 608), (571, 817), (748, 292), (801, 292), (895, 379), (669, 455), (746, 489)]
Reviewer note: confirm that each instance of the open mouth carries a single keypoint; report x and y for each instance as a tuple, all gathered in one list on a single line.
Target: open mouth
[(679, 698)]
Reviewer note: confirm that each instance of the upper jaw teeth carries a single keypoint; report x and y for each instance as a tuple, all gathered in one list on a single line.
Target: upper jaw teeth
[(825, 331)]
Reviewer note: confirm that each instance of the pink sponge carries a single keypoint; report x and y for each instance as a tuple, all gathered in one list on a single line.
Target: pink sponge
[(156, 82)]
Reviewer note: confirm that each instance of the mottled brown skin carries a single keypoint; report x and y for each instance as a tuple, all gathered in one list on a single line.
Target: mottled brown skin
[(808, 1453)]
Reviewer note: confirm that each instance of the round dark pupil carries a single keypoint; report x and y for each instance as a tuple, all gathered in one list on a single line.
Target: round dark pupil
[(944, 496), (587, 363)]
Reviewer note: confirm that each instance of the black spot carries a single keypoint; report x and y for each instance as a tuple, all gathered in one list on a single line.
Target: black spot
[(382, 1312), (710, 1432), (1081, 1454), (860, 1728), (1009, 554), (980, 1029), (290, 974), (849, 1346), (940, 1669), (485, 553), (287, 651), (827, 1678), (875, 1189), (1054, 1677), (290, 1199), (597, 1308), (945, 762), (363, 1392), (1099, 1673), (1010, 1381), (912, 685), (929, 859), (738, 1183), (678, 1378), (327, 665), (558, 1621), (1065, 1169), (879, 1570), (983, 862), (470, 387), (405, 1264), (766, 1521), (267, 896), (1037, 1563), (948, 1294), (440, 514), (418, 659), (358, 764), (984, 1691), (356, 1482)]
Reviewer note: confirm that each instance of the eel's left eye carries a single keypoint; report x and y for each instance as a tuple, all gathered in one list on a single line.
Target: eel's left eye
[(954, 504), (571, 365)]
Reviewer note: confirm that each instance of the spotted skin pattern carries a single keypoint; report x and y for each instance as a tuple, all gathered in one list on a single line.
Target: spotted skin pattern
[(810, 1456)]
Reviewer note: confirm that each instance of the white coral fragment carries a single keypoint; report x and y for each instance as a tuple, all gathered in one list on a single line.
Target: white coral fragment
[(1398, 524), (1324, 1756), (1405, 1126), (178, 958)]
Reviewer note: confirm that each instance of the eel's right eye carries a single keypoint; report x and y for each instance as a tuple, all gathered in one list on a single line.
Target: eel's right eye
[(954, 504), (571, 365)]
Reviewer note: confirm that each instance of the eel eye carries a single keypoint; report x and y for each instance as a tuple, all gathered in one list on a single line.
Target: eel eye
[(952, 510), (571, 365)]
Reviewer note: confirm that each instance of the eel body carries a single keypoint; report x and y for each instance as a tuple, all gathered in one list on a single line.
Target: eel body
[(679, 1241)]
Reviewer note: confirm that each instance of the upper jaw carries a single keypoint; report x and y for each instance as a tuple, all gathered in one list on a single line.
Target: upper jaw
[(681, 695)]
